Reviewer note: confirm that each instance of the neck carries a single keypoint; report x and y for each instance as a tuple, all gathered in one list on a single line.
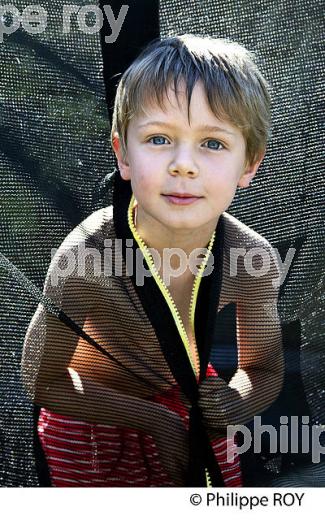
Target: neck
[(160, 238)]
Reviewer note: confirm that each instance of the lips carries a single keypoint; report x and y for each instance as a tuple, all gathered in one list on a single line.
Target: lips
[(182, 195), (181, 199)]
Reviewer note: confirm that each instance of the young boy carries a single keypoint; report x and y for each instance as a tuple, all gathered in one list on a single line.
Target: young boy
[(129, 396)]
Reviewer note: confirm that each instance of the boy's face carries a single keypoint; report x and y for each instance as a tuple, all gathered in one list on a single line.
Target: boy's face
[(166, 154)]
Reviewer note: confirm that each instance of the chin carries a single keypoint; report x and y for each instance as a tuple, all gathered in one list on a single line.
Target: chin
[(181, 225)]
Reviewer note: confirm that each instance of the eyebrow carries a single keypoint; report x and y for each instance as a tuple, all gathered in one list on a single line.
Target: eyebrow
[(207, 128)]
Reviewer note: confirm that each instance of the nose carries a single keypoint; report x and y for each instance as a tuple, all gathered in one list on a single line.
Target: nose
[(183, 163)]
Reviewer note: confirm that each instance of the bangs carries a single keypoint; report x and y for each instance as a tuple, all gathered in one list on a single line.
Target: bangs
[(235, 89)]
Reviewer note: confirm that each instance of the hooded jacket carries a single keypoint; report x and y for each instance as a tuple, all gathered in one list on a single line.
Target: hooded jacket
[(133, 334)]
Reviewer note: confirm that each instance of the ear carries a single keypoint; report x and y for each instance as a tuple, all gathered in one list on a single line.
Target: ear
[(122, 160), (250, 172)]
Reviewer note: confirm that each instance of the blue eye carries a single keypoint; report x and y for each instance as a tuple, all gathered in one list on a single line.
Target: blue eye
[(215, 144), (160, 138)]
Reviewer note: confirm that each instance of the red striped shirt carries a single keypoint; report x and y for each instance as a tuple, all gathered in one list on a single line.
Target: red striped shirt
[(95, 455)]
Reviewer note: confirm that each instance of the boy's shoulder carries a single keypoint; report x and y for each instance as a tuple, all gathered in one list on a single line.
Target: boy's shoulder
[(93, 230), (98, 225), (238, 234), (250, 263), (83, 246)]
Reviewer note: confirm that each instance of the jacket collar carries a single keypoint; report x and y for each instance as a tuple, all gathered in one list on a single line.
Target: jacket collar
[(156, 307)]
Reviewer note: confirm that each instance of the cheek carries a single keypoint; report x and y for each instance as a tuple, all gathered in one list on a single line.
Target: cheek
[(225, 174), (221, 182), (222, 188), (144, 181)]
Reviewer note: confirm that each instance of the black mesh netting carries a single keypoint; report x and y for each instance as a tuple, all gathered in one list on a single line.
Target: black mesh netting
[(54, 151)]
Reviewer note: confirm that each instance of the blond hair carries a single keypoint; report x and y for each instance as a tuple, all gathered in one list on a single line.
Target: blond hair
[(235, 88)]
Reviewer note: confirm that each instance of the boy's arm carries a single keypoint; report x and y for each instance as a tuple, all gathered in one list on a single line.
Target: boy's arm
[(51, 382), (51, 378), (259, 377), (62, 371)]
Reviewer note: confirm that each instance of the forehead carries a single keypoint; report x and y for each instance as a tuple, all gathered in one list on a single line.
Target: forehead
[(174, 99), (173, 110)]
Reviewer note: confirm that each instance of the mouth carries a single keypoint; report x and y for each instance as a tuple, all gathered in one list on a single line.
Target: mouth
[(182, 195), (181, 199)]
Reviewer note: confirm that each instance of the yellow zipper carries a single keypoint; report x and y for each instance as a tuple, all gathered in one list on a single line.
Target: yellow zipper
[(168, 297)]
